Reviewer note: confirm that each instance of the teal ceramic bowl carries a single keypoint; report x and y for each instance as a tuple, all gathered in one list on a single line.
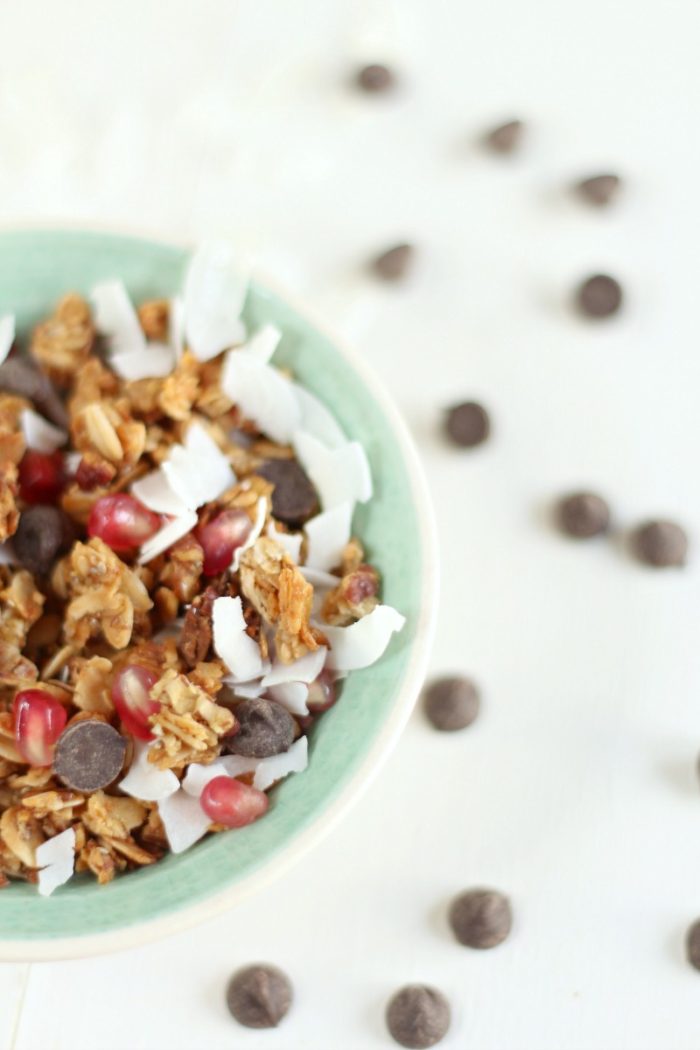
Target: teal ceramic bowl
[(351, 740)]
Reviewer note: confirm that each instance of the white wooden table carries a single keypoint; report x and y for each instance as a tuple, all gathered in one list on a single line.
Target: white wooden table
[(575, 792)]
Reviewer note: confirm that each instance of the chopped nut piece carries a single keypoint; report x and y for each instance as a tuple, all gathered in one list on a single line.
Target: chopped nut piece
[(154, 316), (9, 514), (183, 569), (354, 597), (20, 832), (180, 388), (62, 344)]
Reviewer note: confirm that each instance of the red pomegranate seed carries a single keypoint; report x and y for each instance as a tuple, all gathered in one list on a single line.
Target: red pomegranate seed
[(39, 720), (232, 803), (131, 695), (41, 476), (323, 693), (220, 537), (122, 521)]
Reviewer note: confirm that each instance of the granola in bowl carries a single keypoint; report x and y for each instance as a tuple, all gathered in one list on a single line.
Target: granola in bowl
[(180, 588)]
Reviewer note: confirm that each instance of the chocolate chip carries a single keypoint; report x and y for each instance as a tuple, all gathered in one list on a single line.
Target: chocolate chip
[(599, 189), (23, 379), (481, 918), (375, 78), (265, 728), (583, 514), (506, 137), (661, 543), (418, 1016), (259, 996), (42, 534), (599, 296), (467, 424), (294, 498), (89, 755), (692, 945), (452, 703), (394, 264)]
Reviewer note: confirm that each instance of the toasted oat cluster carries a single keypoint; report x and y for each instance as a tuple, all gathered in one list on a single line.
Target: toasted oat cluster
[(180, 588)]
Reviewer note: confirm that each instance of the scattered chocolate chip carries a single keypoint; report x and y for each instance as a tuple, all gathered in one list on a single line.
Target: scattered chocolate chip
[(418, 1016), (599, 296), (452, 703), (481, 918), (506, 137), (294, 498), (89, 755), (394, 264), (25, 380), (661, 543), (467, 424), (259, 996), (265, 728), (42, 534), (599, 189), (692, 945), (583, 514), (375, 78)]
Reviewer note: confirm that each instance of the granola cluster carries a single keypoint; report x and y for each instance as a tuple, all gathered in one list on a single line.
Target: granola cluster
[(95, 631)]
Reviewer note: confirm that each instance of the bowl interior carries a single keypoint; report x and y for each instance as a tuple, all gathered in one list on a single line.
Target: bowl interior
[(35, 269)]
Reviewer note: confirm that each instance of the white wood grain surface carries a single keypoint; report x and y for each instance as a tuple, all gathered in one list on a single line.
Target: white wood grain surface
[(575, 792)]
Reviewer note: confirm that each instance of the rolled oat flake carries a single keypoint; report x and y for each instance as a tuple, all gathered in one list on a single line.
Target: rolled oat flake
[(584, 514), (599, 296), (265, 728), (259, 996), (467, 424), (394, 264), (663, 544), (89, 755), (451, 703), (418, 1016), (481, 918)]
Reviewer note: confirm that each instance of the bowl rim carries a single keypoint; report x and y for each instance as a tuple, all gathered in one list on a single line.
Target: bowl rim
[(149, 930)]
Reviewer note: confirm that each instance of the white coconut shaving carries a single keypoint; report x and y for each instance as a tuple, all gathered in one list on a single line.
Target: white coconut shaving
[(341, 475), (240, 653), (7, 335), (71, 461), (291, 541), (145, 780), (260, 515), (245, 690), (306, 669), (292, 695), (327, 535), (116, 319), (176, 327), (262, 394), (170, 533), (270, 770), (154, 492), (155, 361), (184, 820), (39, 434), (362, 643), (317, 420), (198, 776), (263, 343), (197, 471), (56, 860), (214, 296), (319, 580)]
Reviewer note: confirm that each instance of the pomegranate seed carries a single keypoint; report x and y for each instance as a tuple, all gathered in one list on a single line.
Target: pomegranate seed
[(232, 803), (41, 476), (323, 693), (131, 695), (122, 521), (39, 720), (220, 537)]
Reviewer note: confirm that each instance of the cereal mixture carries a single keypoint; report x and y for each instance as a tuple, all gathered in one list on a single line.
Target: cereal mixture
[(180, 589)]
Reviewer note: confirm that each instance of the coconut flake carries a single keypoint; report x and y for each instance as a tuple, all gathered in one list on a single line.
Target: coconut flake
[(116, 319), (263, 343), (306, 669), (262, 394), (291, 541), (260, 515), (184, 820), (7, 335), (240, 653), (154, 361), (362, 643), (327, 536), (170, 533), (292, 695), (145, 780), (246, 690), (197, 471), (340, 475), (39, 434), (176, 334), (154, 492), (318, 579), (213, 300), (198, 776), (56, 859), (317, 420), (72, 461), (270, 770)]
